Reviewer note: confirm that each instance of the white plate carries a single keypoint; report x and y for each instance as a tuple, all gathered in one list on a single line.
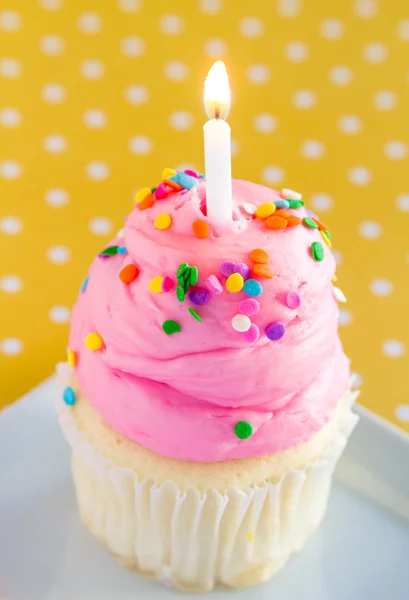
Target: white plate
[(361, 552)]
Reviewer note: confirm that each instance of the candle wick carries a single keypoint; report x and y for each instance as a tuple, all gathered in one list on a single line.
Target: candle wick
[(217, 112)]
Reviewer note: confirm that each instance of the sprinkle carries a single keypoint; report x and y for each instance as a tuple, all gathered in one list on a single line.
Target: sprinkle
[(276, 222), (280, 212), (309, 223), (243, 430), (339, 294), (122, 250), (166, 284), (265, 210), (327, 233), (320, 224), (295, 203), (334, 278), (142, 195), (180, 293), (121, 233), (252, 335), (129, 273), (275, 331), (109, 251), (84, 284), (249, 307), (262, 271), (185, 181), (199, 296), (195, 315), (324, 235), (153, 189), (200, 228), (227, 268), (259, 256), (181, 269), (160, 192), (147, 203), (170, 327), (317, 251), (242, 269), (166, 173), (250, 209), (293, 221), (252, 287), (291, 194), (293, 300), (69, 396), (71, 358), (192, 173), (155, 284), (173, 184), (163, 221), (194, 275), (213, 285), (241, 323), (234, 283), (282, 204), (93, 341)]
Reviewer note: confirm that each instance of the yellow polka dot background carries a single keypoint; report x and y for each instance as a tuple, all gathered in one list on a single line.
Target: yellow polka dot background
[(96, 98)]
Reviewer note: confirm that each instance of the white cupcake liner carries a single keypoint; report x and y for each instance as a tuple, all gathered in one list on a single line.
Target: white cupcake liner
[(193, 540)]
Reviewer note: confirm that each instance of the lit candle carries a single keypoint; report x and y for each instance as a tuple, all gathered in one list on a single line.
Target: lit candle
[(217, 144)]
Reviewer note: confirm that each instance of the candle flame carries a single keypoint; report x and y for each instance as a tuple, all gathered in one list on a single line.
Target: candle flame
[(216, 95)]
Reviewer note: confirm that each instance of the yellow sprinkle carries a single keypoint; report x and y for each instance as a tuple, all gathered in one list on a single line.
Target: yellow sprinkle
[(71, 358), (265, 210), (141, 195), (234, 283), (326, 238), (155, 284), (163, 221), (94, 341), (334, 279), (166, 173), (249, 537)]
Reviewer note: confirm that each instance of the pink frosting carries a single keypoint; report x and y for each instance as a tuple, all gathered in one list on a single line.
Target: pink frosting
[(181, 395)]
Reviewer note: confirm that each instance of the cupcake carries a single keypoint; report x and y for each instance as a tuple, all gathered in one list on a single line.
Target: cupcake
[(206, 397)]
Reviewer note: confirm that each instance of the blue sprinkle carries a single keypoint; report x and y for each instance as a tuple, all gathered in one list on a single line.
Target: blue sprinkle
[(201, 176), (252, 288), (282, 204), (84, 284), (69, 396), (122, 250), (186, 181)]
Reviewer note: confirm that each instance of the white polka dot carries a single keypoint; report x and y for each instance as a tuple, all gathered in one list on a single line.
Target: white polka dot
[(366, 9), (395, 150), (344, 317), (52, 45), (58, 255), (10, 68), (55, 143), (171, 24), (349, 124), (385, 100), (11, 225), (140, 144), (92, 69), (288, 8), (375, 52), (357, 380), (94, 118), (10, 117), (359, 175), (235, 147), (210, 7), (258, 74), (181, 120), (136, 94), (51, 4), (304, 99), (11, 346), (312, 149), (403, 30), (393, 348), (133, 46), (97, 170), (370, 230), (100, 226), (56, 197), (251, 27), (54, 93), (339, 259), (10, 169), (10, 20), (265, 123), (332, 29), (215, 47), (176, 70), (402, 412), (89, 22), (130, 5), (272, 174), (11, 284), (321, 202), (402, 202), (340, 75), (59, 314), (381, 287), (296, 51)]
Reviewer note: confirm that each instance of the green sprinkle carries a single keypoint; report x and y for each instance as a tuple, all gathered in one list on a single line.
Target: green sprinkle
[(317, 251), (153, 189), (186, 274), (310, 223), (186, 285), (170, 327), (181, 269), (110, 251), (195, 315), (243, 430), (194, 275), (180, 293), (327, 233), (294, 203)]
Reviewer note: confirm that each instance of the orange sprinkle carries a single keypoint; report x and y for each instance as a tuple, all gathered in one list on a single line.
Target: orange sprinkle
[(262, 271), (200, 228), (146, 202), (320, 224), (259, 256), (129, 273), (276, 222), (173, 184), (281, 212), (293, 221)]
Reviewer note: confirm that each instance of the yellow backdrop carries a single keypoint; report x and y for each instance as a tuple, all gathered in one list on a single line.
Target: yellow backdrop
[(97, 97)]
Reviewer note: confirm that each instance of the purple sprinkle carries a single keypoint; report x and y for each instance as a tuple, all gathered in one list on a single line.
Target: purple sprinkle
[(275, 331), (249, 307), (227, 268), (199, 296), (251, 335), (213, 284), (167, 284), (293, 300), (243, 269)]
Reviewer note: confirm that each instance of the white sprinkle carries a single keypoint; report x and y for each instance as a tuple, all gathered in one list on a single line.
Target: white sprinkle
[(250, 209), (121, 233), (339, 294), (241, 323), (291, 194)]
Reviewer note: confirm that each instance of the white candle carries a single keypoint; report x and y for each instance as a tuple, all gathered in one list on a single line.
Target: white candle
[(217, 145)]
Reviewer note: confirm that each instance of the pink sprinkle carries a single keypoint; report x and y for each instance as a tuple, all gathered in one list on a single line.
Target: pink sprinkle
[(293, 300), (160, 191), (166, 284), (213, 285), (182, 192), (249, 307), (251, 336), (192, 173)]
